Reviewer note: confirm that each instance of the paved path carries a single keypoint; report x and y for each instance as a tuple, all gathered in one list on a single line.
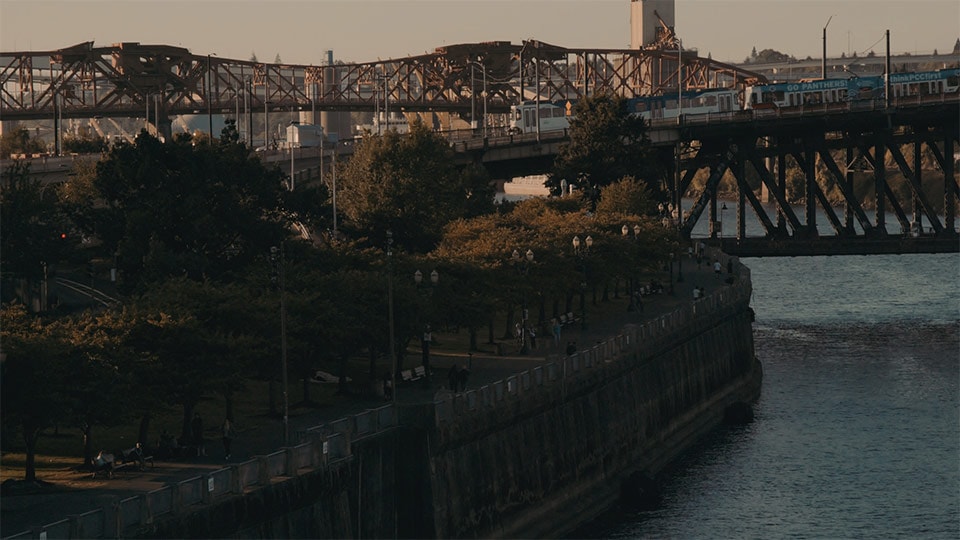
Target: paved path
[(76, 492)]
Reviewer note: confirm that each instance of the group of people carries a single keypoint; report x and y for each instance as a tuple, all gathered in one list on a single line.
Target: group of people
[(522, 333), (698, 292), (170, 447)]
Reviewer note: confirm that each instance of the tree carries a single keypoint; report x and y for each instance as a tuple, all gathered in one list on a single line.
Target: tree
[(177, 208), (606, 143), (409, 185), (197, 339), (627, 196), (34, 231), (85, 142), (30, 378), (17, 140)]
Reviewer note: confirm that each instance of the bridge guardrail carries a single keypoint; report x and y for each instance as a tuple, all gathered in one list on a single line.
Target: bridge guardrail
[(565, 368)]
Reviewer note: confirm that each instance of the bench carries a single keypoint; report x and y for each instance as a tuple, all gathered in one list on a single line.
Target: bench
[(415, 374), (132, 456)]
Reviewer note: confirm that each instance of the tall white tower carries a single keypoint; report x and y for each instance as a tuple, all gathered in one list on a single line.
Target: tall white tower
[(645, 27)]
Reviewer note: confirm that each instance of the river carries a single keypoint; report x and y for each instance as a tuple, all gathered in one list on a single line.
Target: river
[(857, 431)]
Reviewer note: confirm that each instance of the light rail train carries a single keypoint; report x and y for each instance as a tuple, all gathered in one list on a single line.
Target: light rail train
[(555, 116)]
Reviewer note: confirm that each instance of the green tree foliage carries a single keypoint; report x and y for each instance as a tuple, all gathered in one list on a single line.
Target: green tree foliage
[(55, 373), (34, 230), (85, 142), (184, 208), (410, 185), (606, 144), (195, 339), (627, 196), (32, 375), (17, 140)]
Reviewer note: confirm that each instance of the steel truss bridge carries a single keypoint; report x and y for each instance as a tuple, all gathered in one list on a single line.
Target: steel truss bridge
[(127, 79), (851, 144), (852, 147)]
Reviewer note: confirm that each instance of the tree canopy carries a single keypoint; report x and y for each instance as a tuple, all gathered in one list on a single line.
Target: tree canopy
[(184, 208), (410, 185), (606, 144)]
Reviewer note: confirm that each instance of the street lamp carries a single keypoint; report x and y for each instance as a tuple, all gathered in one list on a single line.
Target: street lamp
[(823, 63), (427, 338), (582, 250), (625, 231), (723, 208), (277, 260), (671, 272), (522, 264), (483, 120), (393, 350)]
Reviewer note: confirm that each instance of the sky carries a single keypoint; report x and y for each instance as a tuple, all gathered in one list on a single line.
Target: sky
[(366, 30)]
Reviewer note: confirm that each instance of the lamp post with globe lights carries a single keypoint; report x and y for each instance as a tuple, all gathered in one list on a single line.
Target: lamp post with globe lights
[(582, 251), (522, 265)]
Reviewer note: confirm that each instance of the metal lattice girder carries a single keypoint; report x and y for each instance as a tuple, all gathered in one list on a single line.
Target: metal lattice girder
[(709, 189), (845, 190), (913, 177), (815, 192), (120, 79), (747, 193)]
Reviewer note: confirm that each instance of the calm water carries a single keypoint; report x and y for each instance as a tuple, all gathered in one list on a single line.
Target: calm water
[(857, 432)]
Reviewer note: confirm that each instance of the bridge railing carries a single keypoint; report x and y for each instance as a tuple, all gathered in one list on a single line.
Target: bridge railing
[(564, 369), (327, 445)]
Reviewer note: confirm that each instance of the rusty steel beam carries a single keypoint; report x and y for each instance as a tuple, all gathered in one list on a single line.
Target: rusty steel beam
[(119, 80)]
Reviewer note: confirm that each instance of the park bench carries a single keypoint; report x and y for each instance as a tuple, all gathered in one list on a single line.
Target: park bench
[(415, 374)]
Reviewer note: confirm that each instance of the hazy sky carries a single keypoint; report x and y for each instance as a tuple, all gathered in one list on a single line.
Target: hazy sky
[(365, 30)]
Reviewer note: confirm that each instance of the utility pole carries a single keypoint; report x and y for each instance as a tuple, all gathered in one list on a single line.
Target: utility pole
[(823, 63)]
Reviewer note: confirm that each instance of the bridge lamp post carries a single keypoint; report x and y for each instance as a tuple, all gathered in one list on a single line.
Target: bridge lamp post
[(823, 63), (679, 81), (582, 251), (723, 209), (522, 264), (483, 120), (209, 98)]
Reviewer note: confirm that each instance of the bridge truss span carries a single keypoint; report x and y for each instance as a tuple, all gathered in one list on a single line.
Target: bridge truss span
[(882, 180), (126, 79)]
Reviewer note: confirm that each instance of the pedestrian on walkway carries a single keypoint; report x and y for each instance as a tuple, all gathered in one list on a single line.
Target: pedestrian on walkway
[(717, 268), (557, 328), (462, 377), (226, 437), (453, 377), (533, 337), (196, 429)]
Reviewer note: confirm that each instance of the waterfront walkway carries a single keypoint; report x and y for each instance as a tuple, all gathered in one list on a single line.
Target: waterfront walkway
[(74, 492)]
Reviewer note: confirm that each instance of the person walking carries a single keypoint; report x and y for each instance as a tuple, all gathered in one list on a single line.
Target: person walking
[(453, 377), (717, 268), (226, 437), (196, 429)]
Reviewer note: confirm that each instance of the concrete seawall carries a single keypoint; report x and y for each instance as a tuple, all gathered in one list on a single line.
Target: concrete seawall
[(534, 455), (559, 453)]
